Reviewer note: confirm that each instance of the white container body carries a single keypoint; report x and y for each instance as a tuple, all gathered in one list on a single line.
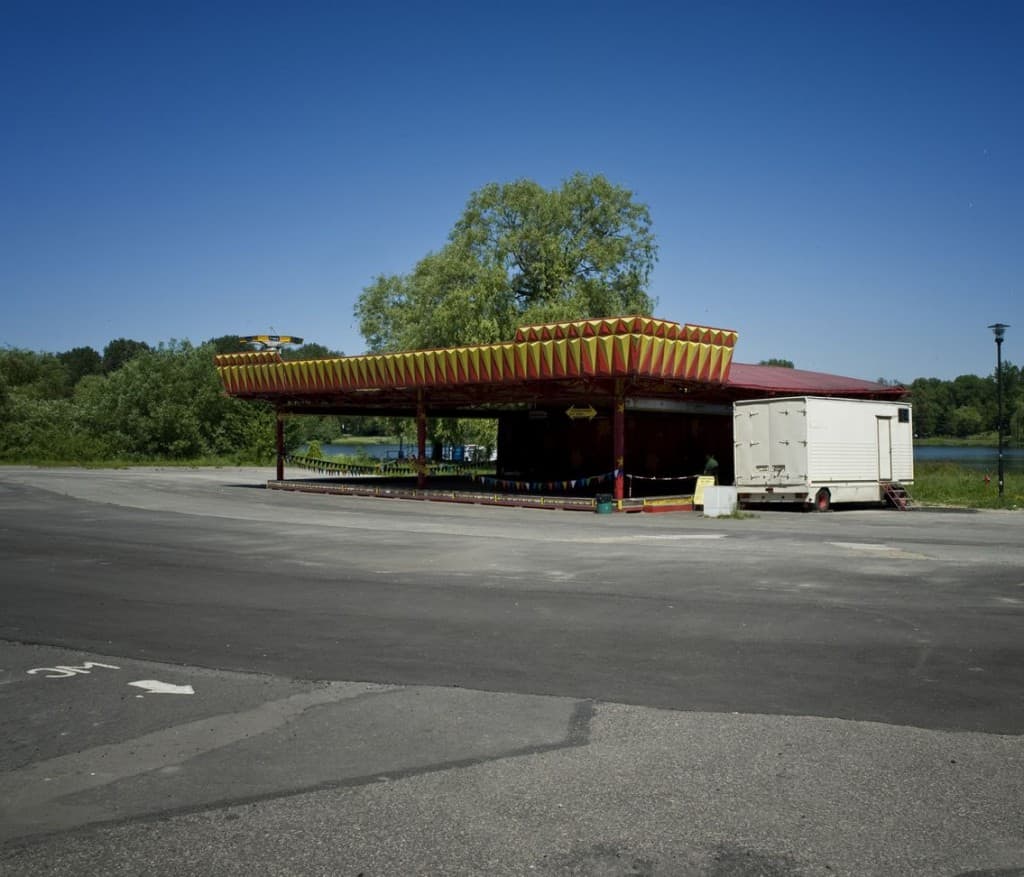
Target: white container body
[(801, 448)]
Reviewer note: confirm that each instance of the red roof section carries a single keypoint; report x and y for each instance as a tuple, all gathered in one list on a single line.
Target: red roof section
[(798, 382)]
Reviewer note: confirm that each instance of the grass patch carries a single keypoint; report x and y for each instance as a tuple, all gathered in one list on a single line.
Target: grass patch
[(949, 484)]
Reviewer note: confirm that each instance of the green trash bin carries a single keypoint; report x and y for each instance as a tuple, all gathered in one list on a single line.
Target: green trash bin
[(603, 504)]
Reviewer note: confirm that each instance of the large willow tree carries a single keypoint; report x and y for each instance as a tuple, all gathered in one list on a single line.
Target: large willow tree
[(519, 254)]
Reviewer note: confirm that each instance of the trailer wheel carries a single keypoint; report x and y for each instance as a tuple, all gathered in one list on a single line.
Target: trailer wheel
[(823, 500)]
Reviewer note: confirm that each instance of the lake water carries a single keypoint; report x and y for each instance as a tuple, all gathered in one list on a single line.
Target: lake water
[(381, 451), (982, 459)]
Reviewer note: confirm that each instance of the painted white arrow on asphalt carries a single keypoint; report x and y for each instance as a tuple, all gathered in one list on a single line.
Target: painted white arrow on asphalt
[(155, 687)]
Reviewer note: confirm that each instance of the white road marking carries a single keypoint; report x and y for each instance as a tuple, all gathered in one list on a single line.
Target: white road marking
[(878, 549), (155, 687), (64, 671), (862, 546), (644, 537)]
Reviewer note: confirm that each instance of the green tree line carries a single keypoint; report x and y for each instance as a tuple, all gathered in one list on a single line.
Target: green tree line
[(968, 405), (137, 403)]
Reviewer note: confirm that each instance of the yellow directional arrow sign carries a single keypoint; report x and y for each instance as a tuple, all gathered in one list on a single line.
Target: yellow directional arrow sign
[(576, 413)]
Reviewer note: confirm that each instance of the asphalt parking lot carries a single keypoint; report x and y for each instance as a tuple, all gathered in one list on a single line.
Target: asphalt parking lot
[(394, 687)]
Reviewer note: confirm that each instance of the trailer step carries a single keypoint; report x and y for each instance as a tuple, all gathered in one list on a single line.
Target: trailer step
[(897, 496)]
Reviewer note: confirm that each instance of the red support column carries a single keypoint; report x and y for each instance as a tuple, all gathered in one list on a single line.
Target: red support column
[(619, 438), (421, 442), (280, 446)]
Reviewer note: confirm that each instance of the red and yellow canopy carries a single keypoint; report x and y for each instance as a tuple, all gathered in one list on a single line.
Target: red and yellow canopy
[(615, 347)]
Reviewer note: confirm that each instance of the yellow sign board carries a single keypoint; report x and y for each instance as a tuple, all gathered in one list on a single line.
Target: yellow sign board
[(576, 413), (702, 482)]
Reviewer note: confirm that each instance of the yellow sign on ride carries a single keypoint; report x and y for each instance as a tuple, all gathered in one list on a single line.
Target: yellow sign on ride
[(577, 413)]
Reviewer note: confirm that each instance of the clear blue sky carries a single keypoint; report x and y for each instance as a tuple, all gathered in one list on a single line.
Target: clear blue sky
[(843, 184)]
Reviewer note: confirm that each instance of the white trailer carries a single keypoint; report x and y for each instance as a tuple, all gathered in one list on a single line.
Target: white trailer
[(818, 451)]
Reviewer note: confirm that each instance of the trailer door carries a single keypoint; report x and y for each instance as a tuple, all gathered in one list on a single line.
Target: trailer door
[(788, 432), (752, 444), (884, 448)]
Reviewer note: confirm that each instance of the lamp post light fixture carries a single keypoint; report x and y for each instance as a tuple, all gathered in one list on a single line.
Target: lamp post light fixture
[(999, 330)]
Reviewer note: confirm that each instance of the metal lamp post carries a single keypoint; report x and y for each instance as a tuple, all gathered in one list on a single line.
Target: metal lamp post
[(999, 329)]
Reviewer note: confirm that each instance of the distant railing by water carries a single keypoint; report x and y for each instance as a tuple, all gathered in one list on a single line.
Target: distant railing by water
[(384, 468)]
